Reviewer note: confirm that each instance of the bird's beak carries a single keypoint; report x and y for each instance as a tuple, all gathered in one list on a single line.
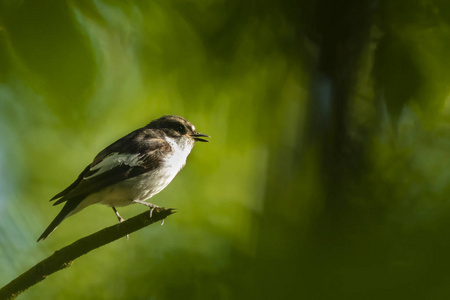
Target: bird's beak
[(197, 135)]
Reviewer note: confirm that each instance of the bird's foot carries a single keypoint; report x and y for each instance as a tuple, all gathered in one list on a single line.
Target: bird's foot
[(119, 217), (151, 205), (120, 221), (152, 208)]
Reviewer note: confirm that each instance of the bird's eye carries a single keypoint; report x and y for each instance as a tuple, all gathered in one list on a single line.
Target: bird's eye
[(179, 128)]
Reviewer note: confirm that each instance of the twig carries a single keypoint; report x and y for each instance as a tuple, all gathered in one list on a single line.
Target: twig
[(64, 257)]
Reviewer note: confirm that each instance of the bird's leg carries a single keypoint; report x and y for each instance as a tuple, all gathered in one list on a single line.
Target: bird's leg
[(152, 206), (120, 218)]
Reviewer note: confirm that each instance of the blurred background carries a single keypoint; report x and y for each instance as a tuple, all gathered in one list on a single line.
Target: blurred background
[(327, 175)]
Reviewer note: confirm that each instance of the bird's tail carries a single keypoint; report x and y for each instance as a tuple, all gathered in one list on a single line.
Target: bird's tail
[(65, 211)]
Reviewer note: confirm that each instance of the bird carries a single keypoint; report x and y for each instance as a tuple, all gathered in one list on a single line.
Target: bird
[(131, 170)]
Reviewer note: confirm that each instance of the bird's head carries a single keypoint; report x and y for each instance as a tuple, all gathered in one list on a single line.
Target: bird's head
[(177, 127)]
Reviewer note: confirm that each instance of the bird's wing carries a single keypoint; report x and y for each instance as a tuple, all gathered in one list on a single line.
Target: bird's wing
[(111, 166), (73, 185)]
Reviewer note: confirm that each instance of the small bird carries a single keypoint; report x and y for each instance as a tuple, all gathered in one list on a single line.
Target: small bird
[(132, 169)]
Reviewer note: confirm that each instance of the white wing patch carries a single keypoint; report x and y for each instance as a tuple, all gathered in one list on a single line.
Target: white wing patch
[(115, 160)]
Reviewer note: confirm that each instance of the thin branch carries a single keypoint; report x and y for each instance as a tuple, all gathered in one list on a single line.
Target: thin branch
[(64, 257)]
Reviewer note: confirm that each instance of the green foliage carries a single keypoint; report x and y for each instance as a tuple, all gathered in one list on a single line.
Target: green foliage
[(326, 176)]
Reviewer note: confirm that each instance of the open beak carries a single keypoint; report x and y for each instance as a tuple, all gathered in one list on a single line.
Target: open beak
[(197, 136)]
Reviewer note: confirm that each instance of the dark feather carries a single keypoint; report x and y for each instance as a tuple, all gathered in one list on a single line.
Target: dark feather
[(101, 181), (70, 205), (73, 185)]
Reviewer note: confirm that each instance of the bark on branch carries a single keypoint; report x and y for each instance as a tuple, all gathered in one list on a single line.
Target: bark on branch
[(64, 257)]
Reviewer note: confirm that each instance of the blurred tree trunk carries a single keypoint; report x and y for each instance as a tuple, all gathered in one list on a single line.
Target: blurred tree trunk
[(344, 30), (286, 263)]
